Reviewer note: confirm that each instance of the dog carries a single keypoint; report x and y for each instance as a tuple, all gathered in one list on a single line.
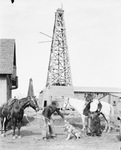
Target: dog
[(71, 131)]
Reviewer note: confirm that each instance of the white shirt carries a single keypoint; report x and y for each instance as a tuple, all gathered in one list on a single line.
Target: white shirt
[(94, 105)]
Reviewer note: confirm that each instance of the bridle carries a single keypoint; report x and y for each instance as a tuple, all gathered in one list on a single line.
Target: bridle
[(32, 98)]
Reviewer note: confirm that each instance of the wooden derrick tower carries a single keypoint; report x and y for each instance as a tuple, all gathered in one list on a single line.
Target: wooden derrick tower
[(59, 81), (59, 73)]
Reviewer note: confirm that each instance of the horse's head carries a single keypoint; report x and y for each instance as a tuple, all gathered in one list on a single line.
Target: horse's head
[(66, 104), (33, 103)]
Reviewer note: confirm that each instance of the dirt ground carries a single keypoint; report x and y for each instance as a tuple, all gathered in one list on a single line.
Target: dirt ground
[(32, 137)]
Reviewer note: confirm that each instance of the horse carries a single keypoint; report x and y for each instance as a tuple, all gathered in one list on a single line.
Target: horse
[(107, 111), (15, 114)]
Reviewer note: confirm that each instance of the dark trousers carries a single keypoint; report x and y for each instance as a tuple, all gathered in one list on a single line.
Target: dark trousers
[(48, 129), (93, 124)]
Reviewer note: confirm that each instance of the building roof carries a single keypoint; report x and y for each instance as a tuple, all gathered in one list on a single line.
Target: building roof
[(116, 94), (97, 89), (7, 56)]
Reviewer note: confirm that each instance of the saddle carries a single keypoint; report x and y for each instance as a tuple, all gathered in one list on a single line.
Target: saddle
[(6, 109), (10, 103)]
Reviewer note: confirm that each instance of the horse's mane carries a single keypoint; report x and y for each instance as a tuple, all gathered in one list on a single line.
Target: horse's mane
[(22, 99)]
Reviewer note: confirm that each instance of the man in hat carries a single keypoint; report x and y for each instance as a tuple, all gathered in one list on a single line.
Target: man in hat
[(88, 100), (48, 122), (92, 111)]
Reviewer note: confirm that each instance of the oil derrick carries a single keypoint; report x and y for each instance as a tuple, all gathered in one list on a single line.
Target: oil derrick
[(59, 81), (30, 89), (59, 67)]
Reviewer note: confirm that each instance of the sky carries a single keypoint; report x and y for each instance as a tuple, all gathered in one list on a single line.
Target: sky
[(93, 30)]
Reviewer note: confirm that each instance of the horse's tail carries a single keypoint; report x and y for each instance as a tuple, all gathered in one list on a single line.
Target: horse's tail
[(1, 108)]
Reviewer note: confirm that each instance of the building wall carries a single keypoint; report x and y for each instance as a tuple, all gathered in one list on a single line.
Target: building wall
[(79, 95), (118, 108), (40, 100), (44, 101), (56, 93), (115, 101), (3, 90)]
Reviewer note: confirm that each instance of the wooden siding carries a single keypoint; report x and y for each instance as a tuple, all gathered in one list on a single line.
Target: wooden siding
[(7, 56), (3, 90)]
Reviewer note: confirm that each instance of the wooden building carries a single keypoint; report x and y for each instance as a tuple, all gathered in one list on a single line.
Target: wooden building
[(8, 77), (56, 93), (110, 95)]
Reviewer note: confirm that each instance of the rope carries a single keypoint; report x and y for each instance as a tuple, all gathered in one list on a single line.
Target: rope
[(41, 117), (28, 119)]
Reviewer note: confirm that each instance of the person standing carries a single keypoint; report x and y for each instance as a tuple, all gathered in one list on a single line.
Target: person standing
[(48, 121), (92, 111)]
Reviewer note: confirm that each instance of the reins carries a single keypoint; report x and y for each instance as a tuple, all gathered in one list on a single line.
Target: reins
[(29, 120)]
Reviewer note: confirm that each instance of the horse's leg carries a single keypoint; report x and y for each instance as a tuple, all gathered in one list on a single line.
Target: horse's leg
[(2, 130), (19, 127), (109, 125), (83, 122), (5, 125), (106, 126), (106, 122), (14, 127), (89, 122)]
